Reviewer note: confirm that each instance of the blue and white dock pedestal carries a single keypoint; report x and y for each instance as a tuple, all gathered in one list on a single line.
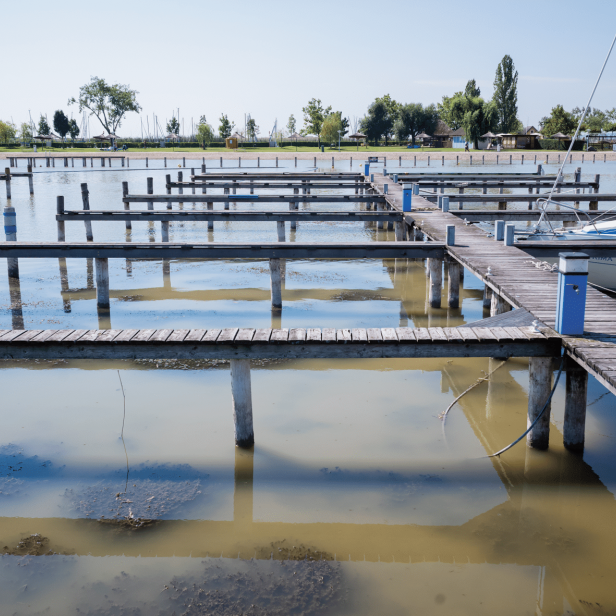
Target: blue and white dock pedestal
[(407, 197), (571, 297)]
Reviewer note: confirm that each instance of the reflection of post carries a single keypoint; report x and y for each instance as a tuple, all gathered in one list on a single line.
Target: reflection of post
[(16, 306), (243, 485), (10, 230), (64, 284), (275, 284)]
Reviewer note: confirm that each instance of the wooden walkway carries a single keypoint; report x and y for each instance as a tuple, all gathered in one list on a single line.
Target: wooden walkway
[(235, 343), (515, 276)]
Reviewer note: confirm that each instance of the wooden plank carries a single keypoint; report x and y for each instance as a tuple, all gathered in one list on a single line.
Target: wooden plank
[(297, 334), (160, 335), (279, 335), (126, 335), (209, 337), (484, 333), (29, 334), (359, 335), (389, 334), (245, 335), (262, 335), (468, 334), (195, 335), (422, 334), (328, 335), (92, 334), (313, 335), (374, 334), (437, 334), (76, 335), (343, 335), (143, 335), (109, 335), (227, 335), (453, 334), (405, 334), (178, 335), (59, 335), (48, 333)]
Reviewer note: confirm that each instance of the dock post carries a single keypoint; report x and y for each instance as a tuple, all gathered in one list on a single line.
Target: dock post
[(453, 289), (539, 388), (399, 230), (280, 230), (498, 305), (445, 204), (183, 161), (239, 162), (296, 161), (210, 207), (66, 161), (571, 293), (509, 234), (10, 230), (294, 206), (85, 197), (276, 161), (499, 230), (7, 174), (575, 406), (103, 161), (192, 174), (436, 282), (164, 232), (60, 223), (450, 239), (169, 204), (241, 395), (315, 161), (226, 192), (150, 190), (122, 159), (102, 283), (30, 180), (129, 224), (165, 161), (379, 208), (502, 205), (487, 297), (276, 284), (146, 162), (221, 162)]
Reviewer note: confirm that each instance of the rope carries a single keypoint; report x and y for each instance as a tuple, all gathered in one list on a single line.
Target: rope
[(545, 406)]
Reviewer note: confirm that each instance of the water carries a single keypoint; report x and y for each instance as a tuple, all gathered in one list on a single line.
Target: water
[(356, 498)]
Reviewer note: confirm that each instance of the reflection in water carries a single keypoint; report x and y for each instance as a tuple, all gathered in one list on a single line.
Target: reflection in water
[(122, 433)]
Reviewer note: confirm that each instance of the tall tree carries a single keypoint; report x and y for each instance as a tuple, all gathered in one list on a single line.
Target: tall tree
[(344, 122), (475, 115), (252, 129), (7, 131), (331, 125), (445, 113), (73, 129), (25, 132), (392, 106), (60, 123), (472, 89), (314, 116), (205, 133), (377, 122), (43, 126), (109, 103), (506, 95), (291, 124), (559, 121), (225, 128), (413, 119), (173, 126)]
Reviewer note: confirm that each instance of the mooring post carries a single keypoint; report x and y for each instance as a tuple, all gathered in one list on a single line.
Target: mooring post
[(445, 204), (276, 284), (280, 230), (226, 192), (407, 197), (296, 161), (499, 230), (575, 405), (509, 234), (210, 207), (450, 239), (379, 208), (571, 293), (239, 161), (85, 198), (276, 161), (436, 282), (487, 297), (498, 305), (30, 180), (539, 388), (10, 231), (241, 395), (192, 175), (165, 161), (60, 223), (295, 206), (103, 161), (150, 189), (453, 288), (7, 181), (129, 224), (102, 283)]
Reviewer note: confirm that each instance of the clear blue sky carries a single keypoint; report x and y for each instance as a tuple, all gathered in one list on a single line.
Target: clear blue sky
[(269, 57)]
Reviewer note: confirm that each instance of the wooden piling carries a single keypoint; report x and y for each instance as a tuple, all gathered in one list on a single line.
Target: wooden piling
[(453, 289), (575, 406), (129, 224), (30, 180), (150, 190), (192, 173), (241, 396), (539, 388), (399, 230), (487, 297), (85, 198), (281, 231), (498, 305), (7, 181), (210, 223), (226, 192), (276, 284), (436, 282), (102, 283)]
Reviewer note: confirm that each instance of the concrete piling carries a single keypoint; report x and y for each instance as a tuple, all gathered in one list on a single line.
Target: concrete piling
[(241, 395)]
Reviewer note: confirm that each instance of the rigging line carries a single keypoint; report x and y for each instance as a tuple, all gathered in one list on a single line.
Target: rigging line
[(122, 433), (560, 171), (545, 406)]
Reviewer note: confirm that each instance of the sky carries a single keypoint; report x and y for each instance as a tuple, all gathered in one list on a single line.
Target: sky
[(270, 57)]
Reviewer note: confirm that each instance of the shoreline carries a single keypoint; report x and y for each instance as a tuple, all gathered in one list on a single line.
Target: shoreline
[(463, 157)]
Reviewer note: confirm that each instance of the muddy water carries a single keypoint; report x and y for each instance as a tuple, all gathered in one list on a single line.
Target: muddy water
[(356, 498)]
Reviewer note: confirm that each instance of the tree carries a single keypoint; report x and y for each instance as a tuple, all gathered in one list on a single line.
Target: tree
[(445, 113), (205, 133), (43, 127), (596, 121), (559, 121), (314, 116), (225, 128), (413, 119), (377, 123), (291, 124), (73, 129), (344, 123), (25, 132), (475, 115), (109, 103), (331, 125), (392, 106), (252, 129), (7, 131), (173, 126), (60, 123), (506, 95), (472, 89)]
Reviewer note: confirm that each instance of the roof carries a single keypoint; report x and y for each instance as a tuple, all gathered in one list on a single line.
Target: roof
[(529, 129), (442, 130)]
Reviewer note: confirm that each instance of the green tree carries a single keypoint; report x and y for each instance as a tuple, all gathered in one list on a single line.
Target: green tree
[(109, 103), (205, 133), (314, 116), (344, 123), (43, 127), (413, 119), (60, 123), (331, 125), (392, 106), (475, 115), (559, 121), (445, 113), (252, 129), (291, 124), (506, 95), (472, 89), (596, 120), (7, 131), (225, 127), (377, 122), (173, 126), (25, 132), (73, 129)]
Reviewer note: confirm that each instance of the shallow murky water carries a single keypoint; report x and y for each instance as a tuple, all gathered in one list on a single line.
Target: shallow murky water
[(356, 498)]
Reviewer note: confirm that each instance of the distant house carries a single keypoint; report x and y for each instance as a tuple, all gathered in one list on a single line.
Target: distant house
[(530, 130), (524, 141), (446, 137)]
